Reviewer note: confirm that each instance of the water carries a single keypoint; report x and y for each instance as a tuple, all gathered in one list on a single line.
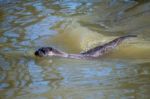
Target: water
[(74, 26)]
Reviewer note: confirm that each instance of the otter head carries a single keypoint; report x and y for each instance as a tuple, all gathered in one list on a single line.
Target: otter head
[(47, 51)]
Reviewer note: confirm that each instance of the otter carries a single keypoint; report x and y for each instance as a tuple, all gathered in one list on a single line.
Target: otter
[(90, 54)]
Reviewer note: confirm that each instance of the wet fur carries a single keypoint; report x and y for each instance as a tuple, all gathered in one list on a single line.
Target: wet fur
[(92, 53), (102, 49)]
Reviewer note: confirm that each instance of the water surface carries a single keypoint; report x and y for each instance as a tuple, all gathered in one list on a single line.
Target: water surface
[(74, 26)]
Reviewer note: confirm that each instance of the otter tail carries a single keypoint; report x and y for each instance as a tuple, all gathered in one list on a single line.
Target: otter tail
[(100, 50)]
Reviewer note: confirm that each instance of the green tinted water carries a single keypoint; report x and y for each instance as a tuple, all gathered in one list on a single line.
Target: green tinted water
[(74, 26)]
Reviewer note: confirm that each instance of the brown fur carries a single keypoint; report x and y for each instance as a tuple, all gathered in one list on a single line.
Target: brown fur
[(92, 53)]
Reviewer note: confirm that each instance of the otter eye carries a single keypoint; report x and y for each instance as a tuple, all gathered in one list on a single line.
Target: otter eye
[(50, 48)]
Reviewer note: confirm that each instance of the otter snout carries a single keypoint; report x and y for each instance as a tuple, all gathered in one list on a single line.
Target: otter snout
[(39, 53), (42, 51)]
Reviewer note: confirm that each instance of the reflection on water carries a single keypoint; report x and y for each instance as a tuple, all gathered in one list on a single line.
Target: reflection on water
[(74, 26)]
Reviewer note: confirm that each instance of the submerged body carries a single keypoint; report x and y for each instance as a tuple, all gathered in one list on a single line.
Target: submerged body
[(90, 54)]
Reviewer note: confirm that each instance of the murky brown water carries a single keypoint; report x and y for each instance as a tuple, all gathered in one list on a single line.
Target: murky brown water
[(74, 26)]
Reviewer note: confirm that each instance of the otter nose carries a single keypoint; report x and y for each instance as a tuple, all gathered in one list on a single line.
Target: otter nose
[(36, 53), (39, 53), (43, 51)]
